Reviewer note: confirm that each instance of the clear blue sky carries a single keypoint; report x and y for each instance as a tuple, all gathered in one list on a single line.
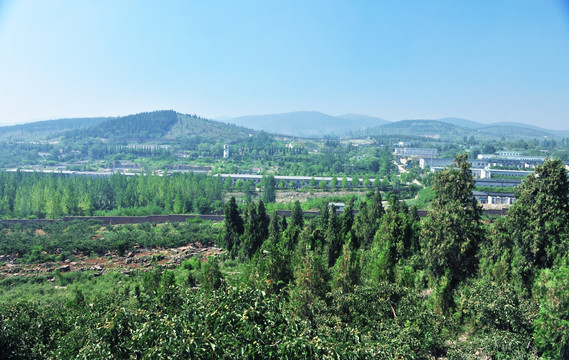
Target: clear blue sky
[(482, 60)]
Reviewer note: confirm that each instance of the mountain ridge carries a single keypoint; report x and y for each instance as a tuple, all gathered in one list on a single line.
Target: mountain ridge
[(169, 125)]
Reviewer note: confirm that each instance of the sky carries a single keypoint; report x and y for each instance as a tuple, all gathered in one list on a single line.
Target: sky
[(484, 60)]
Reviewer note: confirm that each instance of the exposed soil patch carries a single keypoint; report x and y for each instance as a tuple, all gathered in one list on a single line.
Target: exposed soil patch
[(136, 259), (287, 196)]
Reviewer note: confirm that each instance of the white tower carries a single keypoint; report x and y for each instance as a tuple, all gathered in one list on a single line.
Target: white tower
[(225, 151)]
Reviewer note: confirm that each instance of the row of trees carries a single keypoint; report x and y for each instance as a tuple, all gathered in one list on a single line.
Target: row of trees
[(24, 195)]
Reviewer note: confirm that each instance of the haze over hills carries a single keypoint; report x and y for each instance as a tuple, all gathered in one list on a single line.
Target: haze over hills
[(44, 129), (307, 123), (168, 125), (317, 124)]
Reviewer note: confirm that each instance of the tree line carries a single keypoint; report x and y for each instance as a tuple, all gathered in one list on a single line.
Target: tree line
[(35, 195)]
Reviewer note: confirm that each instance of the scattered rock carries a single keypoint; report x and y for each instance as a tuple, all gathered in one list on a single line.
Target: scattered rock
[(64, 268)]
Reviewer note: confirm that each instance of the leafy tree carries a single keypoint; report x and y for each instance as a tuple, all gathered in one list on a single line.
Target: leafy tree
[(355, 181), (227, 183), (334, 183), (269, 188), (312, 182), (366, 181)]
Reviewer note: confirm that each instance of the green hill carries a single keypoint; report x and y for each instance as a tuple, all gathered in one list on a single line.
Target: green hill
[(448, 129), (45, 129), (429, 128), (191, 126), (513, 131), (164, 125)]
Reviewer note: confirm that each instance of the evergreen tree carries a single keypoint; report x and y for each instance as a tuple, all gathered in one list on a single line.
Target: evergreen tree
[(250, 240), (375, 209), (392, 242), (263, 225), (452, 232), (348, 217), (324, 216), (334, 238), (347, 269), (295, 226), (311, 284), (233, 227), (274, 227), (296, 216), (539, 220), (368, 219)]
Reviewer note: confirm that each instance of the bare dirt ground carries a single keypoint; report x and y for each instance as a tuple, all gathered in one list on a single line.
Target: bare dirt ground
[(286, 196), (136, 259)]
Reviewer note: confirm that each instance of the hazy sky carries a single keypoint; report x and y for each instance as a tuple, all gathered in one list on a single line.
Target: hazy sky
[(483, 60)]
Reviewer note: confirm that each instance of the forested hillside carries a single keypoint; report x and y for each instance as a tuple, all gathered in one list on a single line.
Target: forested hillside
[(158, 125), (381, 283), (45, 129)]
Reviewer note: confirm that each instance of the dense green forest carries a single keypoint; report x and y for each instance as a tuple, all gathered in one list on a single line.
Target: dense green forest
[(378, 284)]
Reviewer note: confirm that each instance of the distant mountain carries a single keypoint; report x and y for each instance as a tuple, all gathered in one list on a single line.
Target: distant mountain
[(45, 129), (430, 128), (507, 128), (307, 123), (452, 128), (532, 127), (364, 119), (168, 125), (508, 131)]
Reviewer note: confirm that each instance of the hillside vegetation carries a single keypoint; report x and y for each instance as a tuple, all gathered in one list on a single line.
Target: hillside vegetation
[(381, 283), (165, 125), (46, 129)]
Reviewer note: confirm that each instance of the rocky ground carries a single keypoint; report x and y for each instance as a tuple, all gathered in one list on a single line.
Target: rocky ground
[(136, 259)]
